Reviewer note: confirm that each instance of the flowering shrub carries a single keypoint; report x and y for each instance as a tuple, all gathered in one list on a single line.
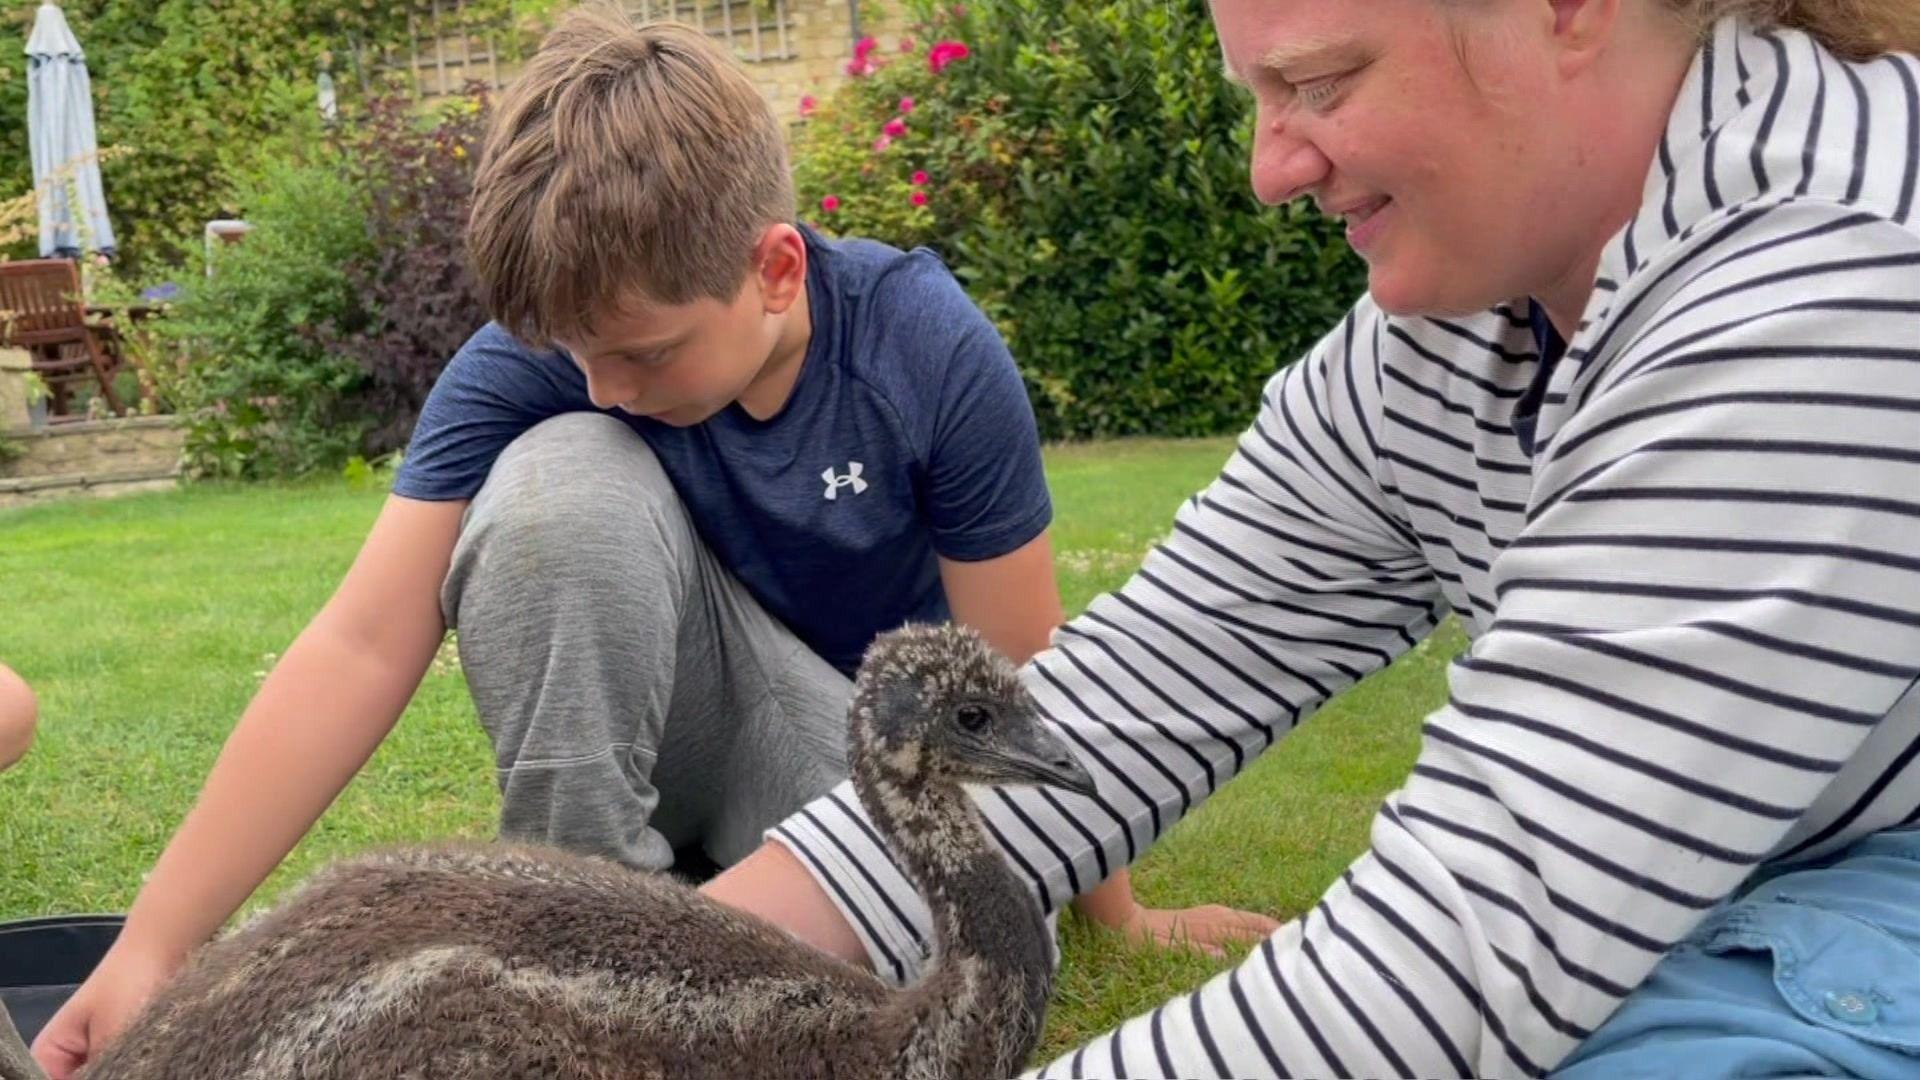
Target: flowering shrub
[(944, 54), (863, 63), (1083, 168)]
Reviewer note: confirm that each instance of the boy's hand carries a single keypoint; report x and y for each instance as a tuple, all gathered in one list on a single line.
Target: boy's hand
[(97, 1012), (1207, 927)]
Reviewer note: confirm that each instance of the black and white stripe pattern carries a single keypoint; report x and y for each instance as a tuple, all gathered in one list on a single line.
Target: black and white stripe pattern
[(1695, 611)]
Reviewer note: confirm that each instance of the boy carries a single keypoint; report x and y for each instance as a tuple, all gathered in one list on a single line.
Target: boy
[(666, 542), (18, 712)]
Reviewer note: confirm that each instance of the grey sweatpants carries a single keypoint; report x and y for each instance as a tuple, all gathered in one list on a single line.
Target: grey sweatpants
[(638, 698)]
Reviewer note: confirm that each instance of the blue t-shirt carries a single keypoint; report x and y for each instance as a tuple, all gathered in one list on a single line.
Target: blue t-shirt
[(908, 434)]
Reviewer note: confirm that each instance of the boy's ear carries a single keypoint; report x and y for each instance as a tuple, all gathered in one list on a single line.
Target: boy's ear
[(780, 264)]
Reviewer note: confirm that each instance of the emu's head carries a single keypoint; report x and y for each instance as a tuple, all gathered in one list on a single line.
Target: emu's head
[(936, 704)]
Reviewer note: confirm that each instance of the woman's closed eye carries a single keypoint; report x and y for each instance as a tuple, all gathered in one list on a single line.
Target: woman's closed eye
[(1319, 94)]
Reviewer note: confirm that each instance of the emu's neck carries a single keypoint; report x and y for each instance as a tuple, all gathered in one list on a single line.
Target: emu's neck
[(979, 1006)]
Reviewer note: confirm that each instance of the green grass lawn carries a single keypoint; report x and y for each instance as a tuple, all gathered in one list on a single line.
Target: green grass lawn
[(146, 623)]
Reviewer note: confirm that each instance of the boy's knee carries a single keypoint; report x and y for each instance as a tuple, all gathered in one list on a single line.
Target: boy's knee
[(569, 501), (570, 441), (586, 466), (18, 714)]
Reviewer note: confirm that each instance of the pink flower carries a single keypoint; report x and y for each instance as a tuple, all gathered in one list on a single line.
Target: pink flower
[(882, 143), (830, 204), (895, 128), (906, 105), (919, 198), (861, 65), (807, 105), (920, 178), (906, 44), (946, 53)]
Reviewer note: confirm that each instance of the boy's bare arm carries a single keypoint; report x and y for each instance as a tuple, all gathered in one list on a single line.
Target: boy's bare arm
[(1013, 600), (320, 715), (18, 713), (773, 885)]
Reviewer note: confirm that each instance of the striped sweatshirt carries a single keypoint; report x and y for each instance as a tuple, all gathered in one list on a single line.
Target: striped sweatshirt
[(1694, 610)]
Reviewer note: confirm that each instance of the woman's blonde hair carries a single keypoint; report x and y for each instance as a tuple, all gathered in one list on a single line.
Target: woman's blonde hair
[(1853, 29)]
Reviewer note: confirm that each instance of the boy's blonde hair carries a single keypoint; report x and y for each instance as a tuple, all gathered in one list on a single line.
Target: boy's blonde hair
[(627, 165)]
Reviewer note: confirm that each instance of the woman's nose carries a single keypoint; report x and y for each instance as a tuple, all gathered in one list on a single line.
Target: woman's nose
[(1285, 165)]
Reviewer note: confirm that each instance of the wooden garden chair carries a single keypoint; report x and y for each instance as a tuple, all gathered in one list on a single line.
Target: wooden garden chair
[(42, 312)]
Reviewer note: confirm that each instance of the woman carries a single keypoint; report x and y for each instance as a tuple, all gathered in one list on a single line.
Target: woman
[(1635, 393)]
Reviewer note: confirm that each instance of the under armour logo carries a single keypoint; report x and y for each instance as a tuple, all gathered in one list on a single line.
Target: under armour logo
[(852, 480)]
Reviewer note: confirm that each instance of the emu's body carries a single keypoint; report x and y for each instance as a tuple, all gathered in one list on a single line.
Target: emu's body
[(498, 961)]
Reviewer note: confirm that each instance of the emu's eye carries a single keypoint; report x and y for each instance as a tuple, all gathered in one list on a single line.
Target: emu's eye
[(974, 718)]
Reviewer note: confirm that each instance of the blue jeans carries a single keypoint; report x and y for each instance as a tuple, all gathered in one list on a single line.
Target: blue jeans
[(1814, 971)]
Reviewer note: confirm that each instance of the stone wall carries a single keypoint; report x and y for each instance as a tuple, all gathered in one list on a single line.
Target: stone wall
[(808, 58), (15, 408), (101, 457), (824, 40)]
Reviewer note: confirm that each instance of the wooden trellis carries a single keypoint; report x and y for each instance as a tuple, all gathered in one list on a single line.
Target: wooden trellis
[(446, 48), (757, 29)]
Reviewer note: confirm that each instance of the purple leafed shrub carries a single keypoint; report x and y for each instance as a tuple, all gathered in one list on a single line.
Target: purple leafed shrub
[(416, 285)]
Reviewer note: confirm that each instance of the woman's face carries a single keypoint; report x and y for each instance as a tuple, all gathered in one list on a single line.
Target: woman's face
[(1453, 145)]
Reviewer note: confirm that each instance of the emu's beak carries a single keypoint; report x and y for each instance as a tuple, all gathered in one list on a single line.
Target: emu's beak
[(1035, 755), (1068, 774)]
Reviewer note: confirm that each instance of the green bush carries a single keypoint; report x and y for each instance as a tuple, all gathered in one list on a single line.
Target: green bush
[(196, 91), (240, 356), (316, 339), (1086, 177), (192, 89)]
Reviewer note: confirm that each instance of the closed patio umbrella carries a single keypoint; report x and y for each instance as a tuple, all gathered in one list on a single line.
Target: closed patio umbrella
[(73, 214)]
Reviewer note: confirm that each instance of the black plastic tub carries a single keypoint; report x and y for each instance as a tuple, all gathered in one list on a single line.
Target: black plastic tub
[(42, 961)]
